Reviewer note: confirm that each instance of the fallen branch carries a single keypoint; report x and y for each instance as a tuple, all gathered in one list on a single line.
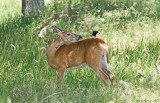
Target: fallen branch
[(155, 65), (50, 96), (43, 32)]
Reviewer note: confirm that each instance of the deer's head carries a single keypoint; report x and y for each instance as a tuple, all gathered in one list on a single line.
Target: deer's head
[(66, 36)]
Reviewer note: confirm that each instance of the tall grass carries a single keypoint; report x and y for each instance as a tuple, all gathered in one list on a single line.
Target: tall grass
[(131, 29)]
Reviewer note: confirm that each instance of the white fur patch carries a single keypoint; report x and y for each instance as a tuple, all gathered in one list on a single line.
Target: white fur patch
[(105, 58), (111, 76), (104, 46), (53, 65), (108, 66), (77, 67)]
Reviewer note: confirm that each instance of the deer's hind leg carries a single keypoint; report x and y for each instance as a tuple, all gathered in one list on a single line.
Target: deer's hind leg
[(95, 66), (105, 69), (101, 74)]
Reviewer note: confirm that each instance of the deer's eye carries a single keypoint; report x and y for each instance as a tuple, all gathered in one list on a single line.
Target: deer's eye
[(68, 34)]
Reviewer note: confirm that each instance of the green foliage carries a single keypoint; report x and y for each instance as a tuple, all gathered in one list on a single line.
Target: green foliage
[(130, 28)]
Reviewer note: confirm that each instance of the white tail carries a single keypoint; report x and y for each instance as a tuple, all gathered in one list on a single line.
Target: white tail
[(93, 52)]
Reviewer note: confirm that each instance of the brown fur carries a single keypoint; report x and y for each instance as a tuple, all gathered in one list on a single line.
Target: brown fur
[(78, 52), (91, 51)]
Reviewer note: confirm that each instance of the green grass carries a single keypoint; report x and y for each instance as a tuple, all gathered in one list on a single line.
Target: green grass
[(131, 29)]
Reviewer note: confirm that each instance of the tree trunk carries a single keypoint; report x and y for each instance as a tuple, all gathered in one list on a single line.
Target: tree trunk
[(32, 7)]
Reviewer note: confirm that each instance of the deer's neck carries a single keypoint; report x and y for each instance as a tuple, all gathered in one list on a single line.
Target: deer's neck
[(51, 50)]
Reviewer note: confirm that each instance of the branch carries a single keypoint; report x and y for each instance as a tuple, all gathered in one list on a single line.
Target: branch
[(50, 96), (155, 65)]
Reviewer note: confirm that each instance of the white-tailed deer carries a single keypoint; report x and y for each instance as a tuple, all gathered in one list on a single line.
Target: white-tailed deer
[(93, 52)]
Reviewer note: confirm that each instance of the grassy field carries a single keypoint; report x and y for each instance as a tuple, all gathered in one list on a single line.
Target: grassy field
[(131, 29)]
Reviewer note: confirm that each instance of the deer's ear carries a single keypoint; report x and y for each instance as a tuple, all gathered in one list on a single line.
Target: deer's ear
[(56, 29)]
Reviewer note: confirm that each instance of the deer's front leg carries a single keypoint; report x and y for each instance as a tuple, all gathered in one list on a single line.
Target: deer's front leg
[(61, 73)]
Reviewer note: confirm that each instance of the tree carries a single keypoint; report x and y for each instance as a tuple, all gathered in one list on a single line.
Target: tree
[(32, 7)]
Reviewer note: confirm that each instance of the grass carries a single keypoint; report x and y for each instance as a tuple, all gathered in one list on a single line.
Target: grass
[(131, 29)]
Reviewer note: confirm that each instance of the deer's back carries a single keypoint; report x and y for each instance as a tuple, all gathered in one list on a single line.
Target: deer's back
[(76, 53), (80, 46)]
